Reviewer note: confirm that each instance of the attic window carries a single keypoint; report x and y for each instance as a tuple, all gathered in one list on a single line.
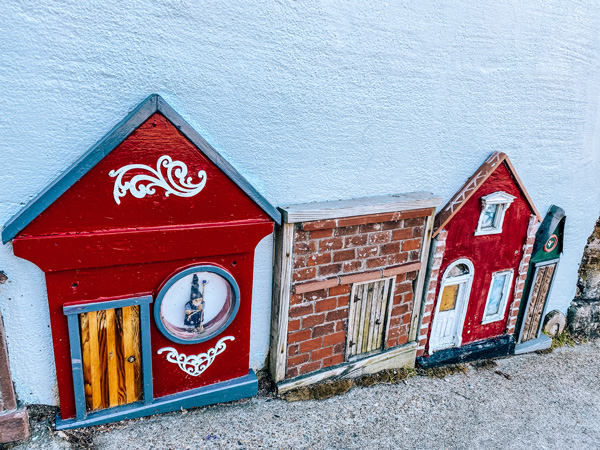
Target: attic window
[(493, 208)]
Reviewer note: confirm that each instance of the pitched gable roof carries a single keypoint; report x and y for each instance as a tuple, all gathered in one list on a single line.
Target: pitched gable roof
[(154, 103), (473, 184)]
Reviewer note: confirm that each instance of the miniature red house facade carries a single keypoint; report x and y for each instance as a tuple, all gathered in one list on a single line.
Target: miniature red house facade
[(480, 254), (147, 244), (347, 287)]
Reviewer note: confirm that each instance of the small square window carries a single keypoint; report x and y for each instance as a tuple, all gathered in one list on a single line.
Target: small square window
[(498, 294), (494, 207)]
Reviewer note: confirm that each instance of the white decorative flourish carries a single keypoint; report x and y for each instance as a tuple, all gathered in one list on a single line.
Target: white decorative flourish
[(175, 181), (194, 365)]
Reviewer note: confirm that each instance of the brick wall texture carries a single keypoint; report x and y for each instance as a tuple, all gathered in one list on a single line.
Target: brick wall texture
[(328, 256), (439, 245), (520, 282)]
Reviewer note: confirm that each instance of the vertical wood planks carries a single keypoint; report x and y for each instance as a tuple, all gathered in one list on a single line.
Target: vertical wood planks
[(537, 302), (368, 314), (111, 354)]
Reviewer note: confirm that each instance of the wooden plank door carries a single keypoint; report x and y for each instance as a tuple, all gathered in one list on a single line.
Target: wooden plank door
[(537, 301), (111, 356), (367, 316)]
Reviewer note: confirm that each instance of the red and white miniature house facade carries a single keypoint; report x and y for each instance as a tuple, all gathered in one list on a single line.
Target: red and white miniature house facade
[(347, 287), (147, 243), (481, 249)]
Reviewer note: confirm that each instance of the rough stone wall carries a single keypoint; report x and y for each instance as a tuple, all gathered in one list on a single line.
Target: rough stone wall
[(329, 256), (439, 244), (522, 275), (583, 317)]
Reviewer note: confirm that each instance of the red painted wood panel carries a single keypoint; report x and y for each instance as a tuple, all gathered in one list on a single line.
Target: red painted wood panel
[(89, 204), (490, 253)]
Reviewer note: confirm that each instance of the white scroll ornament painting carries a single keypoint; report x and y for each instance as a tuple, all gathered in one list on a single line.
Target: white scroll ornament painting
[(172, 176)]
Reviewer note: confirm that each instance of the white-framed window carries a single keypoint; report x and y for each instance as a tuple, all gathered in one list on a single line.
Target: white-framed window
[(495, 305), (493, 208)]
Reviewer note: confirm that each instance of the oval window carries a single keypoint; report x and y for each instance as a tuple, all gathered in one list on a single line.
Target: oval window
[(196, 304)]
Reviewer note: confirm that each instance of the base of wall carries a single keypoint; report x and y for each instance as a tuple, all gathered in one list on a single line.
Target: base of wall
[(490, 348), (583, 318), (225, 391), (14, 425), (396, 358), (542, 342)]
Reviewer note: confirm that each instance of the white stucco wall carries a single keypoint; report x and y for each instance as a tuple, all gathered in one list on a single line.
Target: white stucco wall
[(313, 100)]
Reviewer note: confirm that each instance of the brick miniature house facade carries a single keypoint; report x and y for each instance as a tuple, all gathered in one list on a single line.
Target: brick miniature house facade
[(319, 262)]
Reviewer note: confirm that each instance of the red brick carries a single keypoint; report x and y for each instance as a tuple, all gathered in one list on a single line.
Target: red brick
[(321, 353), (299, 261), (302, 248), (400, 277), (328, 304), (401, 269), (330, 269), (411, 244), (352, 266), (311, 321), (407, 297), (315, 286), (428, 308), (333, 360), (414, 255), (355, 241), (376, 262), (333, 339), (301, 310), (305, 274), (402, 234), (315, 295), (420, 351), (340, 325), (398, 258), (343, 300), (395, 321), (296, 299), (299, 336), (319, 225), (388, 249), (320, 234), (393, 333), (334, 243), (340, 348), (402, 340), (391, 342), (309, 346), (293, 349), (406, 319), (418, 232), (318, 258), (322, 330), (300, 235), (345, 231), (391, 225), (339, 290), (297, 360), (337, 314), (414, 222), (380, 237), (410, 276), (370, 227), (367, 252), (309, 367), (292, 372), (293, 324), (426, 320), (398, 310), (344, 255)]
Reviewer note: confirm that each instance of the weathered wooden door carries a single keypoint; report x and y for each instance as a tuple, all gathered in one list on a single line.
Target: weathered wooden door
[(368, 315), (537, 300), (111, 357), (449, 315)]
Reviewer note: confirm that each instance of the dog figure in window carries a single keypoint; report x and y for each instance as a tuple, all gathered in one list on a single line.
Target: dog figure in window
[(194, 309)]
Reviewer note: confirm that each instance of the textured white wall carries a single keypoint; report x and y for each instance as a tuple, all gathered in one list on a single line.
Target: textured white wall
[(313, 100)]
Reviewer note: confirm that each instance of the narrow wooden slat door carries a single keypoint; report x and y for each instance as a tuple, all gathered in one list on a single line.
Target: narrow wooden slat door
[(537, 301), (111, 354), (367, 316)]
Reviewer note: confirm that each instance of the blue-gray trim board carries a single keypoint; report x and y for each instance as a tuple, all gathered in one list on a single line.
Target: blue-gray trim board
[(154, 103), (226, 391), (72, 312)]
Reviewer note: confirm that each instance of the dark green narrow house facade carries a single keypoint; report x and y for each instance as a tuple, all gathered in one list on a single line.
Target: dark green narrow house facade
[(543, 265)]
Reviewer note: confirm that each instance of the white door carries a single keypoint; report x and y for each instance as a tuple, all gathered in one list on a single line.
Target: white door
[(451, 306)]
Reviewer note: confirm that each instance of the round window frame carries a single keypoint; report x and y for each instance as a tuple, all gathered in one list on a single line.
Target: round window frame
[(235, 291)]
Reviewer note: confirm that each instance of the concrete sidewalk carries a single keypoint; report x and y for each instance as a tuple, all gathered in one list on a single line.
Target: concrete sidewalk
[(535, 401)]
